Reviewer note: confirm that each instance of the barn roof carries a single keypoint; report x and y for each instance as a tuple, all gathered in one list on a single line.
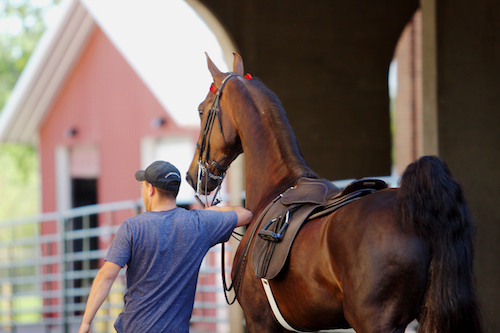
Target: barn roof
[(165, 51)]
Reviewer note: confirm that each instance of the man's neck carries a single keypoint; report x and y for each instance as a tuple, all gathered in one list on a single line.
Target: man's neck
[(163, 205)]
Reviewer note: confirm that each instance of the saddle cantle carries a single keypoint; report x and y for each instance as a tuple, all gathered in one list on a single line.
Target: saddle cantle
[(280, 222)]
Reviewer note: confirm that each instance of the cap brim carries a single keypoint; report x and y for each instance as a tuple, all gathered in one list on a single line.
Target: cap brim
[(140, 175)]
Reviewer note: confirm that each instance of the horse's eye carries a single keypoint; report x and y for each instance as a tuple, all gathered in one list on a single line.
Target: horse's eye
[(200, 112)]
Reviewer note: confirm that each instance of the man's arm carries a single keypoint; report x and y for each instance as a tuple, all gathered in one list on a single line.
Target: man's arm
[(244, 215), (100, 290)]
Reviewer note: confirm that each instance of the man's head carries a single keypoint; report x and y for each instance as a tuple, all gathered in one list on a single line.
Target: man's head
[(162, 175)]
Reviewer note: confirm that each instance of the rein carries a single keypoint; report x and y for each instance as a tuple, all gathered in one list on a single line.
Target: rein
[(240, 267), (204, 160)]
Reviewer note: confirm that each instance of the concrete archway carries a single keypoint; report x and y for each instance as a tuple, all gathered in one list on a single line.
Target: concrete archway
[(328, 62)]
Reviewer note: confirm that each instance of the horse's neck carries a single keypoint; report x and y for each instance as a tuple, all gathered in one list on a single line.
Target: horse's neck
[(262, 187), (273, 161)]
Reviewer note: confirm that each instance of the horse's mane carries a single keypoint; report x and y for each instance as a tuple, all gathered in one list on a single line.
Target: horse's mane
[(282, 127)]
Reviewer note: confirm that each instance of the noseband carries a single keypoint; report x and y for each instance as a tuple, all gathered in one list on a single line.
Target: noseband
[(205, 162)]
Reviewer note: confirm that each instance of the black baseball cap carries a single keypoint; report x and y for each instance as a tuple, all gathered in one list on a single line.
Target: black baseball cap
[(161, 174)]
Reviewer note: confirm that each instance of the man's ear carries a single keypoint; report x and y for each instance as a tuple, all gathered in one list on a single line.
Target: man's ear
[(151, 189)]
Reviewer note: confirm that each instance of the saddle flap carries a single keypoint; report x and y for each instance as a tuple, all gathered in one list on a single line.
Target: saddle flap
[(273, 243), (309, 191)]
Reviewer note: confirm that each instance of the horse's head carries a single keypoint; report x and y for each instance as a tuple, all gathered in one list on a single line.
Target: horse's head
[(219, 143)]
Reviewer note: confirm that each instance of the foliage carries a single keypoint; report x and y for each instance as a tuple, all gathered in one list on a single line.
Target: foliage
[(19, 181), (22, 22)]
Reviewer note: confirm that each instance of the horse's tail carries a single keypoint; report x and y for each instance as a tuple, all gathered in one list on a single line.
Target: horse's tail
[(432, 203)]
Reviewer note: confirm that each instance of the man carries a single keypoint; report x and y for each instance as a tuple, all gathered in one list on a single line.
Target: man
[(163, 249)]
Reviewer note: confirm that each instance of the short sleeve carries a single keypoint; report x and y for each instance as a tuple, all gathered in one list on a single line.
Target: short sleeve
[(219, 225), (121, 248)]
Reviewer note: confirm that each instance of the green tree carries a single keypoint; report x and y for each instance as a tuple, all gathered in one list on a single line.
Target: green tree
[(22, 23)]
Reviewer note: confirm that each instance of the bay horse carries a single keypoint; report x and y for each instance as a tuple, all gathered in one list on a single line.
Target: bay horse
[(374, 265)]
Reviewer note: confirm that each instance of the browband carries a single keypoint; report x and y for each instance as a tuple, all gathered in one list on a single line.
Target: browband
[(213, 88)]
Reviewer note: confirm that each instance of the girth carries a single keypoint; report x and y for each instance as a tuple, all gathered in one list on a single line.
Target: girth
[(283, 218)]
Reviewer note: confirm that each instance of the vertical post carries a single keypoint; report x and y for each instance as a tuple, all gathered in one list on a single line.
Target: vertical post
[(63, 202), (9, 287), (63, 179), (48, 270), (236, 187), (86, 266), (62, 251), (429, 78), (7, 291)]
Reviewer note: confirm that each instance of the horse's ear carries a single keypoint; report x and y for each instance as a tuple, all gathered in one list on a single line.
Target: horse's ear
[(216, 73), (238, 64)]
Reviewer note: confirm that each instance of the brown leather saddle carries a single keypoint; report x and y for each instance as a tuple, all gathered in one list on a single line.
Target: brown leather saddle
[(280, 222)]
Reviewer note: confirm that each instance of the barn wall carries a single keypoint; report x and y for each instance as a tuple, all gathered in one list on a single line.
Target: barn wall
[(110, 108)]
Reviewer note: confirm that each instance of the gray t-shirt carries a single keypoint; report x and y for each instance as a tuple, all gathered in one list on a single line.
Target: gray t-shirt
[(164, 251)]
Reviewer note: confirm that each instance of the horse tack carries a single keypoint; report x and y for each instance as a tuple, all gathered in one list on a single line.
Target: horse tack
[(204, 159), (294, 208), (352, 191), (311, 198)]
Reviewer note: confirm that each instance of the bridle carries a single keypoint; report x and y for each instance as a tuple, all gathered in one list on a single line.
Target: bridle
[(205, 162)]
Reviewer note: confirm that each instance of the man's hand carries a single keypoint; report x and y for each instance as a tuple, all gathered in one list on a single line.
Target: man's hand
[(85, 328), (98, 293)]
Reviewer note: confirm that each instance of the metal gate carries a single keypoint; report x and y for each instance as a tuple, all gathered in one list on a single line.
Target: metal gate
[(48, 262)]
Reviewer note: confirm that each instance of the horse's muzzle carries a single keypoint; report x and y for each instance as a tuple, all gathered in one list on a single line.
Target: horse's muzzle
[(205, 186)]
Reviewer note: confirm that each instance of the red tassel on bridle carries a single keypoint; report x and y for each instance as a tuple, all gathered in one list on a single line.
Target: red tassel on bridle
[(213, 89)]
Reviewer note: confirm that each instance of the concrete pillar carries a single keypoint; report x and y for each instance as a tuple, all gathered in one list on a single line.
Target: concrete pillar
[(429, 78), (407, 113), (236, 186), (467, 35)]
